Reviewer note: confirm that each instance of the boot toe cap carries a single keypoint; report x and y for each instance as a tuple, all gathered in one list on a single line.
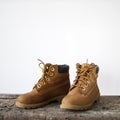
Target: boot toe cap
[(21, 99), (69, 100)]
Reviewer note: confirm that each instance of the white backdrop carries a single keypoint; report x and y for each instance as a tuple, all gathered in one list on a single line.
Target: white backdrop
[(59, 32)]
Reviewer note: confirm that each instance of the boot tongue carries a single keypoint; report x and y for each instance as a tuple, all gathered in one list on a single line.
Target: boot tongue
[(47, 66), (85, 65)]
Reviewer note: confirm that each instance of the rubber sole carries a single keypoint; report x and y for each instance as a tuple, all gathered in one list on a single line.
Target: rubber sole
[(28, 106), (77, 107)]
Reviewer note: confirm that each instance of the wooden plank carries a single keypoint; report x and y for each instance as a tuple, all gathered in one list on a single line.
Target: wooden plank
[(107, 108)]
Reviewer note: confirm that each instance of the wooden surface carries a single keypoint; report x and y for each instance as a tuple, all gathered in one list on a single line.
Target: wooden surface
[(108, 108)]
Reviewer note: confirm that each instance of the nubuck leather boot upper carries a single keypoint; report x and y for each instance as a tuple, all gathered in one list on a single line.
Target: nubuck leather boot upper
[(53, 85), (84, 91)]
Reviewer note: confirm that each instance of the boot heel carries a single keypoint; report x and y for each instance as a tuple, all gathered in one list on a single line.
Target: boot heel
[(59, 99)]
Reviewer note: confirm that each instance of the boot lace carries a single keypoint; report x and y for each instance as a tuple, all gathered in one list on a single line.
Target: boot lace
[(45, 74), (83, 75)]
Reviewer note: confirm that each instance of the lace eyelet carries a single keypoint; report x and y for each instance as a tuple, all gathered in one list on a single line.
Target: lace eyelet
[(83, 88), (39, 86), (48, 79), (86, 85), (52, 69), (88, 81)]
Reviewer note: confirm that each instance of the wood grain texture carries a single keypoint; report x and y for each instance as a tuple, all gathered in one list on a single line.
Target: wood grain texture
[(108, 108)]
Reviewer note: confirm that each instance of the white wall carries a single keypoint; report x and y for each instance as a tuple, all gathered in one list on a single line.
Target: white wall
[(58, 31)]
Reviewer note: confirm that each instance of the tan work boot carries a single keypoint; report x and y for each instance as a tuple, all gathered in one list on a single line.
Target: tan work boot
[(53, 85), (84, 91)]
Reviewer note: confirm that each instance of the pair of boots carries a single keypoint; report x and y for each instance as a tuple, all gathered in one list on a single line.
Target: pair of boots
[(55, 85)]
